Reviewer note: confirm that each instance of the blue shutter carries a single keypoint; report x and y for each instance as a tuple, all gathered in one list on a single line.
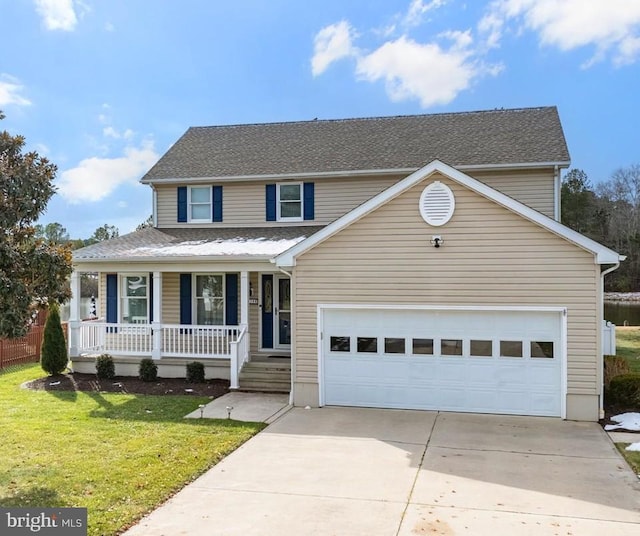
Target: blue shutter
[(185, 298), (309, 212), (112, 298), (231, 300), (182, 204), (150, 292), (271, 202), (217, 203)]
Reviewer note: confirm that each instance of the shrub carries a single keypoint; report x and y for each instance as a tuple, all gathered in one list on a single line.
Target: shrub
[(195, 372), (614, 366), (53, 355), (105, 368), (148, 371), (624, 390)]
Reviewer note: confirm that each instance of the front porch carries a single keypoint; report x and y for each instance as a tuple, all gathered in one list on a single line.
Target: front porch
[(251, 349)]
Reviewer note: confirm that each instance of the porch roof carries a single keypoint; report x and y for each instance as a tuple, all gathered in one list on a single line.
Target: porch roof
[(152, 243)]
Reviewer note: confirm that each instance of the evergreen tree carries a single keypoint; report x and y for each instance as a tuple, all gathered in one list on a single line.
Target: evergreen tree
[(54, 356)]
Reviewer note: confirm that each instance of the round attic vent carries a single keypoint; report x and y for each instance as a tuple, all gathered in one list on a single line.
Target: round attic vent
[(437, 204)]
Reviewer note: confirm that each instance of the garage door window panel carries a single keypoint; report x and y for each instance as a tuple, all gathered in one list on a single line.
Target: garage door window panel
[(394, 345), (340, 343), (422, 347), (480, 348), (451, 347), (510, 348), (367, 345), (542, 349)]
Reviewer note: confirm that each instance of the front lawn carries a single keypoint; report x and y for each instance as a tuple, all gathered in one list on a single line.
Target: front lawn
[(632, 457), (628, 345), (119, 455)]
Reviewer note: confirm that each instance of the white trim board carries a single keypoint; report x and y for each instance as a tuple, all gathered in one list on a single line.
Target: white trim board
[(603, 255)]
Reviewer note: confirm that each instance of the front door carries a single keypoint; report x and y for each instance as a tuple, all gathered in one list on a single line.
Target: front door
[(276, 311)]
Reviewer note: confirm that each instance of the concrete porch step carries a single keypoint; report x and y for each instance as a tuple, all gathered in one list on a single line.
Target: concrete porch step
[(266, 375)]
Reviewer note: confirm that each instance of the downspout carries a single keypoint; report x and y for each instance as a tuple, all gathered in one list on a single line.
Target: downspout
[(558, 190), (601, 305)]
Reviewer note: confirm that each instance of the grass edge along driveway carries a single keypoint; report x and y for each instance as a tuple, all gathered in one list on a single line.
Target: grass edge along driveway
[(118, 455)]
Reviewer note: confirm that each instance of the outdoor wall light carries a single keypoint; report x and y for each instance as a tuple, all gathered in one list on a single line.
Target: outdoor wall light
[(437, 241)]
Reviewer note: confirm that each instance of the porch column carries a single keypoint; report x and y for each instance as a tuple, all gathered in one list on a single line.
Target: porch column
[(74, 316), (156, 325), (244, 298)]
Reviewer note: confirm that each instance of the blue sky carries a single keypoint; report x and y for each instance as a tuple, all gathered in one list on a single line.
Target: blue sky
[(103, 88)]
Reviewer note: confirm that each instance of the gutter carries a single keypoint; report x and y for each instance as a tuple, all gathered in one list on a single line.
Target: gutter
[(601, 305), (175, 259), (347, 173)]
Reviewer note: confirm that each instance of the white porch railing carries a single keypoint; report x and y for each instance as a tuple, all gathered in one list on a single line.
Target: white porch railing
[(179, 340), (116, 339), (176, 340), (239, 356), (608, 338)]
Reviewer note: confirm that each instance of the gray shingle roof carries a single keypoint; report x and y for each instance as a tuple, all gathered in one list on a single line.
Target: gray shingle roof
[(152, 243), (495, 137)]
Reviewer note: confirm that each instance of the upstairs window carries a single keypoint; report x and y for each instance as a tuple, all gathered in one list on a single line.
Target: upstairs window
[(289, 202), (200, 203)]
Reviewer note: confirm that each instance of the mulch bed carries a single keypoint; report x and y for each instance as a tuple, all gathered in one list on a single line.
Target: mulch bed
[(131, 385)]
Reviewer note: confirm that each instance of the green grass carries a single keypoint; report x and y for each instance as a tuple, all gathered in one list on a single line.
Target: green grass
[(632, 457), (118, 455), (628, 346)]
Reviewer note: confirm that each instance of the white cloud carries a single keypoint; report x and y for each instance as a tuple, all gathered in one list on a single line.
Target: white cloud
[(122, 204), (612, 27), (417, 10), (428, 72), (111, 132), (332, 43), (95, 178), (109, 27), (42, 149), (57, 14), (11, 91)]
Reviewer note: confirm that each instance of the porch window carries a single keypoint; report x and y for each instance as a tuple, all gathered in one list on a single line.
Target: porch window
[(200, 204), (135, 299), (209, 299), (290, 202)]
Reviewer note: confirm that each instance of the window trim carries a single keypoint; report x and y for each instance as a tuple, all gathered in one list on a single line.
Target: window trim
[(122, 287), (194, 297), (278, 202), (190, 204)]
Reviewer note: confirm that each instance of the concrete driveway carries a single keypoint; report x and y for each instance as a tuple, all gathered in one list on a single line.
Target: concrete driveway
[(348, 471)]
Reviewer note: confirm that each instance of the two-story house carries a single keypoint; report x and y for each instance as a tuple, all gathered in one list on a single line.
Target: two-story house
[(397, 262)]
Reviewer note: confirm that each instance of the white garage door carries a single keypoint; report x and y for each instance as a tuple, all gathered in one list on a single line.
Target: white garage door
[(505, 361)]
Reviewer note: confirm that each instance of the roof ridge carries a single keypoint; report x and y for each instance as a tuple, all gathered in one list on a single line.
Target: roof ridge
[(374, 118)]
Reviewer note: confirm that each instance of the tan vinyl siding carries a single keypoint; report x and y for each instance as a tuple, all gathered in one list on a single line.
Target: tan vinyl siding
[(534, 188), (171, 298), (490, 256), (244, 202)]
